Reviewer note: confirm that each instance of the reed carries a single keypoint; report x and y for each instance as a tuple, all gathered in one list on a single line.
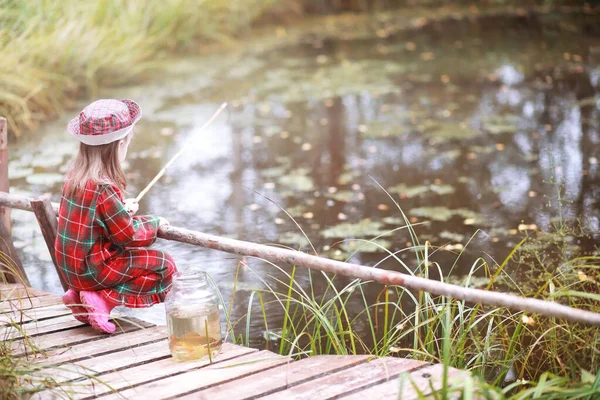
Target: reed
[(510, 354), (56, 51)]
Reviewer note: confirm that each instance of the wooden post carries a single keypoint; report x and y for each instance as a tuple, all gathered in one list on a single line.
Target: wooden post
[(11, 268), (48, 220)]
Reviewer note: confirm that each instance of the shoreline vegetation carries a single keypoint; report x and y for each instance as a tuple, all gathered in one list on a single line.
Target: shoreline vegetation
[(510, 354), (514, 355), (55, 53)]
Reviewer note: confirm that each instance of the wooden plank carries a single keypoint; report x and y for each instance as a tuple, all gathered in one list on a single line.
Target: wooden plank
[(27, 303), (201, 378), (34, 314), (105, 345), (349, 380), (37, 328), (81, 334), (48, 221), (421, 380), (109, 362), (15, 291), (150, 372), (280, 378), (11, 267)]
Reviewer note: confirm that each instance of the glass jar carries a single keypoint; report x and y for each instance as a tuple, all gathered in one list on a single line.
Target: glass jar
[(193, 317)]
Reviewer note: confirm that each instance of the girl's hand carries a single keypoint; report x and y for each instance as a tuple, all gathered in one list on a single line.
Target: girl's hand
[(162, 222), (132, 206)]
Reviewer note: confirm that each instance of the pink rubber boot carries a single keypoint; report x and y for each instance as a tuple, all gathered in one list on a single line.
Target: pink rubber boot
[(98, 310), (71, 299)]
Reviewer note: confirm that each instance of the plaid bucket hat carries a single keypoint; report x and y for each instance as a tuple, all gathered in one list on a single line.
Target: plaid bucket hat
[(105, 121)]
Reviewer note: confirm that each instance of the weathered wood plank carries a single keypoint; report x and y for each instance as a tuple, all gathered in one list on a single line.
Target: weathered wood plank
[(349, 380), (27, 303), (103, 346), (204, 377), (421, 380), (37, 328), (150, 372), (64, 338), (34, 314), (14, 291), (109, 362), (279, 378)]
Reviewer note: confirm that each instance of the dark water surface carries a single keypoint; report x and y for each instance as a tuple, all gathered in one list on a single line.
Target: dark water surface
[(465, 124)]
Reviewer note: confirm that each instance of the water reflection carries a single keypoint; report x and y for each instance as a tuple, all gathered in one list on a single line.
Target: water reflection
[(475, 134)]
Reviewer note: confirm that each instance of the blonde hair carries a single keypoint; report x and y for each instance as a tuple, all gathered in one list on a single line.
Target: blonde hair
[(99, 164)]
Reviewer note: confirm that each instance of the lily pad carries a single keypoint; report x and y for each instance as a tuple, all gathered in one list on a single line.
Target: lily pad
[(366, 247), (296, 211), (434, 213), (293, 238), (349, 175), (463, 212), (273, 172), (47, 179), (381, 129), (499, 124), (407, 191), (441, 132), (455, 237), (442, 189), (363, 228), (342, 196), (394, 221), (421, 190), (297, 180)]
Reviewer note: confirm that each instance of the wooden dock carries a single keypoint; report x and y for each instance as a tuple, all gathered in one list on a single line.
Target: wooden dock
[(135, 362)]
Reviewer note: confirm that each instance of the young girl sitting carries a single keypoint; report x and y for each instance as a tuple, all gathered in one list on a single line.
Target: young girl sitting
[(100, 246)]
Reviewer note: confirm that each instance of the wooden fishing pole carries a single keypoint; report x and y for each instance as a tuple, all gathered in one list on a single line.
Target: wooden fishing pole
[(176, 156)]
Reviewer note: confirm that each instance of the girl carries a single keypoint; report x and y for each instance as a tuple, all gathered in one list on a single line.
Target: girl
[(100, 247)]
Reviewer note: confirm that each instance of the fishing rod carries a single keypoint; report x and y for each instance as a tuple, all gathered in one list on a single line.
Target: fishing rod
[(176, 156)]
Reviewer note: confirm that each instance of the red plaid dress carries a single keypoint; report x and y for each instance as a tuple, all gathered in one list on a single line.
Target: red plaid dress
[(100, 247)]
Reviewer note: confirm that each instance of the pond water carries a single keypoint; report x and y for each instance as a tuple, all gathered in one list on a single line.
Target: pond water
[(465, 124)]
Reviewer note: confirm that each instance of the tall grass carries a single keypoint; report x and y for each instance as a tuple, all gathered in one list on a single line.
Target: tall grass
[(21, 374), (509, 353), (53, 51)]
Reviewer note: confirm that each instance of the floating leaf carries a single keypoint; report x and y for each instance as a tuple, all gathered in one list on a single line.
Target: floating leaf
[(441, 132), (433, 213), (393, 221), (293, 238), (456, 237), (297, 181), (410, 192), (360, 246), (414, 191), (442, 189), (363, 228), (499, 124), (342, 196)]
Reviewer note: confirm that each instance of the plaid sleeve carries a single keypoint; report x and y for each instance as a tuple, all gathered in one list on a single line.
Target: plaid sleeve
[(123, 229)]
